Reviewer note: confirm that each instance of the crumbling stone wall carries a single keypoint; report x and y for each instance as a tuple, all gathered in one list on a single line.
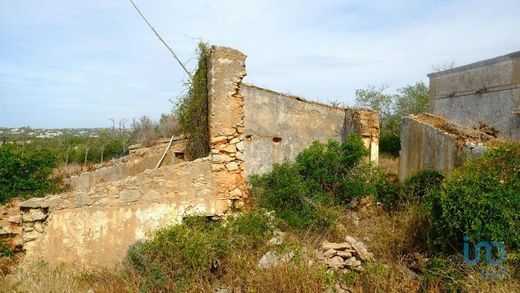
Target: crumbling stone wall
[(98, 226), (226, 69), (484, 94), (139, 160), (278, 127), (482, 98), (10, 225), (431, 142)]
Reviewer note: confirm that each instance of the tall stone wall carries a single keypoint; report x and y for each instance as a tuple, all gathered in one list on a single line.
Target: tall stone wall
[(226, 69), (486, 91), (278, 127)]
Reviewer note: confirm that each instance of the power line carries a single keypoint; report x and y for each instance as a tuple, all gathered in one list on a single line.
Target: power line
[(161, 39)]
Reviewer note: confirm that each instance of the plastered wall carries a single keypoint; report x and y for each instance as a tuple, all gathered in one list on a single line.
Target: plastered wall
[(278, 127), (487, 91)]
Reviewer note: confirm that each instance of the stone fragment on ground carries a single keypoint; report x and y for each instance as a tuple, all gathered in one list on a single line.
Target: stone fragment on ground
[(272, 259)]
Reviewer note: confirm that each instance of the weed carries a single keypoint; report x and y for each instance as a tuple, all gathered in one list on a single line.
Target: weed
[(181, 255)]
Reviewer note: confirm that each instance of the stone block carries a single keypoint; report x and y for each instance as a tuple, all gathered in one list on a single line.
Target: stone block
[(82, 199), (232, 166), (34, 215), (126, 196)]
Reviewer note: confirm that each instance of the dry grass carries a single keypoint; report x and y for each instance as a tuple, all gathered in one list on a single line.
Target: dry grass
[(389, 164), (41, 277)]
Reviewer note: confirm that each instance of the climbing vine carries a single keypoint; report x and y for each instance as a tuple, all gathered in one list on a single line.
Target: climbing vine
[(192, 109)]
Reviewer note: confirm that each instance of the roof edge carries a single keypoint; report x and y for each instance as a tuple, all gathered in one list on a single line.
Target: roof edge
[(494, 60)]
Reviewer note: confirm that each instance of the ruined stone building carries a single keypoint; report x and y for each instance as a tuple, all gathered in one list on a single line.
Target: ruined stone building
[(250, 128), (471, 106)]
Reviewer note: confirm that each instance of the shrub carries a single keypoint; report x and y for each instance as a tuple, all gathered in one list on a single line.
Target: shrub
[(24, 173), (389, 192), (178, 255), (326, 165), (480, 200), (421, 184), (285, 192), (361, 180), (390, 144), (302, 193)]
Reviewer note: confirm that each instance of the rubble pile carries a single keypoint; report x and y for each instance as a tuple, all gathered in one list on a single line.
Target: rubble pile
[(345, 256)]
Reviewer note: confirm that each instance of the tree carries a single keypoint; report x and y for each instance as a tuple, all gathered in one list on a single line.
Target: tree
[(374, 97), (145, 130), (410, 99), (168, 125)]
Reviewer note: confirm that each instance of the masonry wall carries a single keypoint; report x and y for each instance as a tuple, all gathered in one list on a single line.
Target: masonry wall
[(430, 142), (278, 127), (139, 160), (486, 91), (97, 227), (113, 207)]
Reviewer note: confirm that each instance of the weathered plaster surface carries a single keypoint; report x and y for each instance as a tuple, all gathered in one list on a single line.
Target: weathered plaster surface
[(278, 127), (486, 91), (226, 123), (249, 130), (430, 142), (139, 160)]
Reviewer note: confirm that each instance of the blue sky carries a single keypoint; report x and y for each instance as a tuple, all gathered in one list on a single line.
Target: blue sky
[(75, 63)]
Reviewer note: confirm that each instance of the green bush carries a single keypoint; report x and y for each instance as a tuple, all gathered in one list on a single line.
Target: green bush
[(422, 184), (480, 200), (390, 144), (285, 192), (361, 180), (25, 172), (328, 163), (389, 192), (302, 193), (182, 253)]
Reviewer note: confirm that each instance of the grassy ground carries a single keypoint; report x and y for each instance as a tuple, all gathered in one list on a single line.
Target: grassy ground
[(389, 163)]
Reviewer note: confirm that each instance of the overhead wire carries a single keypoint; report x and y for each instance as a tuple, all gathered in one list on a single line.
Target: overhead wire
[(161, 39)]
